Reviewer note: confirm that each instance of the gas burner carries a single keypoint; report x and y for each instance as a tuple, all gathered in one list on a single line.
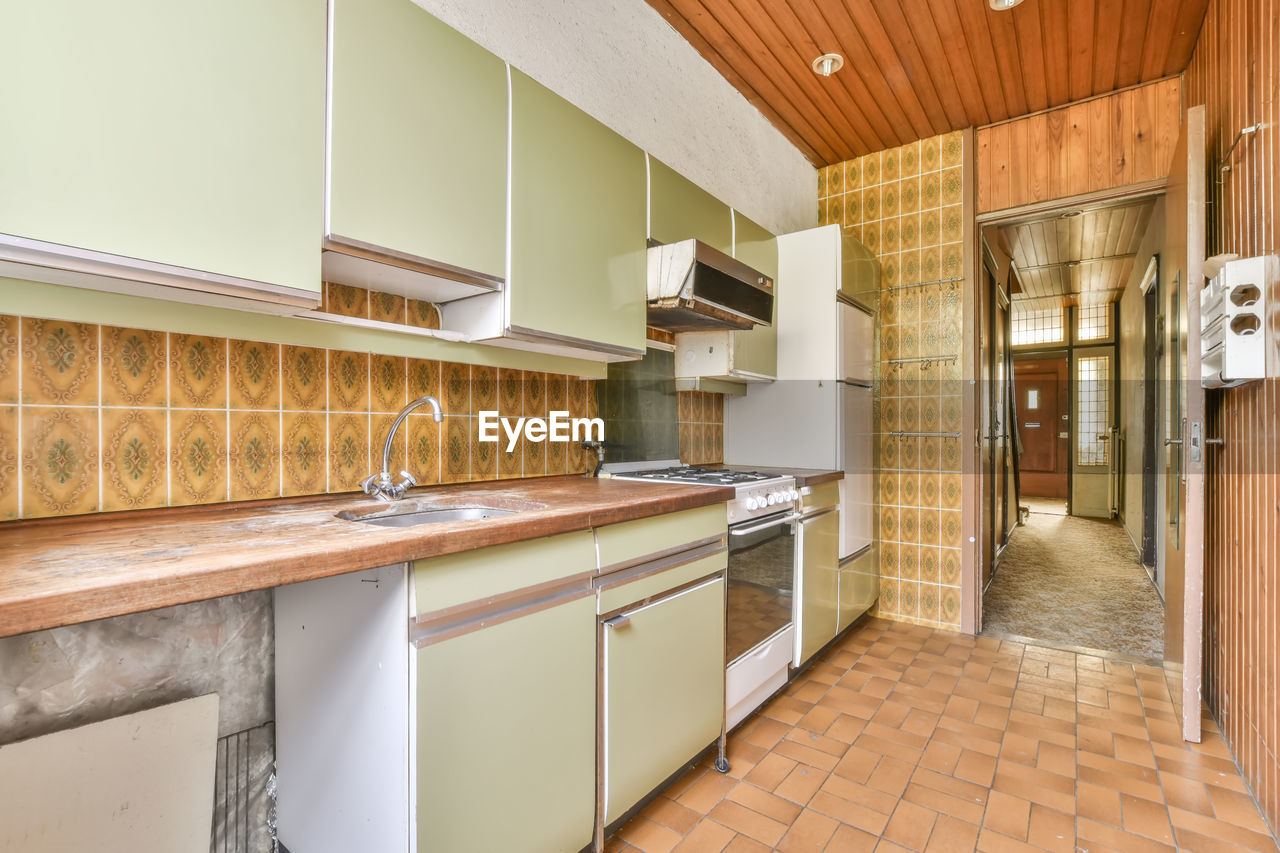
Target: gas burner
[(755, 494), (697, 474)]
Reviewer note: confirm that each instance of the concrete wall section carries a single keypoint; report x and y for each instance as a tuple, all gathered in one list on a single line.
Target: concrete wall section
[(621, 62)]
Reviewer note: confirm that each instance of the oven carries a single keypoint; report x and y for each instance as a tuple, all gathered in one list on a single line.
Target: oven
[(762, 560)]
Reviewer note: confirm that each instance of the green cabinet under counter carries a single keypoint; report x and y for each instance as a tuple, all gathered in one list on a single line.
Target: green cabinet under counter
[(179, 142), (417, 137), (681, 210), (578, 273)]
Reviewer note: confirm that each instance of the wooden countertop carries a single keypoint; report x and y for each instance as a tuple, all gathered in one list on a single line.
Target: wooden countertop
[(63, 571), (804, 476)]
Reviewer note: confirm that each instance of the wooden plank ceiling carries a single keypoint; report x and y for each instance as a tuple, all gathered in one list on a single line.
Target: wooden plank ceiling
[(917, 68), (1082, 256)]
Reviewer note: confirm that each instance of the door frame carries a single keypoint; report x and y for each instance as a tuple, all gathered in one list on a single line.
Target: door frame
[(1151, 331), (971, 557)]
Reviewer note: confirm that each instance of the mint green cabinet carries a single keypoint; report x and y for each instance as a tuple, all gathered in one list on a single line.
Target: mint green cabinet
[(417, 138), (577, 226), (681, 210), (179, 133), (756, 350)]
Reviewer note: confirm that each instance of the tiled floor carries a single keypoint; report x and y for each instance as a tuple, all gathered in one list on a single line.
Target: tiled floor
[(908, 738)]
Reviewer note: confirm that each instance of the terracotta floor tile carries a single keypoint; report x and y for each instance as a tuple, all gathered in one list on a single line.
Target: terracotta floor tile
[(1213, 828), (767, 804), (809, 833), (1098, 803), (672, 815), (951, 835), (770, 771), (891, 776), (1091, 832), (861, 794), (743, 844), (910, 825), (801, 784), (1052, 830), (707, 837), (703, 795), (990, 841), (968, 810), (644, 834), (975, 767), (1007, 815), (1146, 818), (752, 824), (848, 839), (1236, 808)]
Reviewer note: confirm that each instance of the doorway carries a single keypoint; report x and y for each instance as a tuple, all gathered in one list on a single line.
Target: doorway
[(1070, 571)]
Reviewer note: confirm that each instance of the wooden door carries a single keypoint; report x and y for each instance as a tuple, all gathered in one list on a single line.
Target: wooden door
[(1183, 410), (986, 448), (1043, 425)]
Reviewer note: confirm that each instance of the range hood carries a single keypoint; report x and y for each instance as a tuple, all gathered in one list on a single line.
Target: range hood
[(694, 287)]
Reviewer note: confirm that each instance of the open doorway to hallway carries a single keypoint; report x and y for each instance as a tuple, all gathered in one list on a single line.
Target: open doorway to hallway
[(1070, 351)]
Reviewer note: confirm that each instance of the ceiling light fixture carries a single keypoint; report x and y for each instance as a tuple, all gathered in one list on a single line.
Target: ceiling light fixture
[(1002, 5), (828, 64)]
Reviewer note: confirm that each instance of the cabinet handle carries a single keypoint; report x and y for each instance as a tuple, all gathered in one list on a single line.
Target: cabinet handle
[(617, 622)]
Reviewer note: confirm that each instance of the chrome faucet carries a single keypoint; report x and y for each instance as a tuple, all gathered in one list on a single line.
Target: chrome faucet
[(380, 485)]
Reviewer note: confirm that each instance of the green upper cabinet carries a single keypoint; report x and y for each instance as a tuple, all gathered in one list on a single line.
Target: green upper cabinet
[(179, 133), (679, 210), (756, 350), (417, 137), (577, 226)]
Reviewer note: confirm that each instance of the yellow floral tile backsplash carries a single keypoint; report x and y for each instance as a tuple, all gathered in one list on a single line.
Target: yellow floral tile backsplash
[(101, 418), (906, 205), (700, 416)]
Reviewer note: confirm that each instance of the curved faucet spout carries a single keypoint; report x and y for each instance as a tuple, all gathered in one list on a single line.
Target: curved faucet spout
[(380, 485)]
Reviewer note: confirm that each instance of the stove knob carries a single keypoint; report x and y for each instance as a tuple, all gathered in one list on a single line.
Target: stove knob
[(773, 498), (751, 504), (793, 495)]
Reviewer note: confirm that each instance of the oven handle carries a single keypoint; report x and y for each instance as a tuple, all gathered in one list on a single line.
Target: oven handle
[(786, 519)]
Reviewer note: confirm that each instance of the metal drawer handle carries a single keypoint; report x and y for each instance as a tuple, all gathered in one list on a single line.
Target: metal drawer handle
[(617, 622)]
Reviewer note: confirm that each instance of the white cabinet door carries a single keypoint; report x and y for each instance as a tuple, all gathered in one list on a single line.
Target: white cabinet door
[(857, 345), (663, 690)]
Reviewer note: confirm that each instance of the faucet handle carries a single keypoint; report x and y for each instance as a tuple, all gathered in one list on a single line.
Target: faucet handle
[(409, 480), (369, 485)]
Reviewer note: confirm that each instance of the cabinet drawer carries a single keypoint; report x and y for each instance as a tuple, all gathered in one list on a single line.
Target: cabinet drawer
[(627, 588), (825, 494), (442, 582), (638, 541)]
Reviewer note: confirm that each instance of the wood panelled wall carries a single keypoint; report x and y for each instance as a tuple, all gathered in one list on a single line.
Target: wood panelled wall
[(1235, 72), (1123, 138)]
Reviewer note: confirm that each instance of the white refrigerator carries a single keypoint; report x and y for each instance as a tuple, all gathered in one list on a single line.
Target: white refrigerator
[(818, 414)]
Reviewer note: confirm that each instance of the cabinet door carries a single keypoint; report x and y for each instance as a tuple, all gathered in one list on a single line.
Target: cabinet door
[(577, 224), (663, 691), (418, 137), (755, 351), (681, 210), (188, 134), (819, 585), (506, 734)]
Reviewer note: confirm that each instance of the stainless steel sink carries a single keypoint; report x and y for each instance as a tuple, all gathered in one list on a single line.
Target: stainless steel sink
[(426, 515)]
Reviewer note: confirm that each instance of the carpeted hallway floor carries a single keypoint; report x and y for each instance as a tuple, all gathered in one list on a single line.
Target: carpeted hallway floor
[(1075, 582)]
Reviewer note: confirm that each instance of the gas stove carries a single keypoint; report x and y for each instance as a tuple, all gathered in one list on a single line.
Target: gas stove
[(756, 495)]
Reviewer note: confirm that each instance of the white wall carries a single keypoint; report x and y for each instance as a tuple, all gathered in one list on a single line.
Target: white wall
[(620, 61)]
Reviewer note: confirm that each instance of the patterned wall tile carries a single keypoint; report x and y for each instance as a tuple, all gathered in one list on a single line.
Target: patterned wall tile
[(59, 461), (9, 461), (9, 361), (455, 458), (510, 463), (346, 300), (348, 381), (424, 436), (510, 392), (197, 372), (455, 382), (535, 458), (535, 395), (387, 308), (305, 453), (303, 374), (198, 446), (348, 451), (484, 454), (380, 425), (424, 315), (387, 383), (134, 365), (59, 363), (134, 459), (255, 375), (255, 455), (424, 379), (484, 389)]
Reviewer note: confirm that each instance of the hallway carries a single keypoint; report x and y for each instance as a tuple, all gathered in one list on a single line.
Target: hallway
[(909, 738), (1076, 582)]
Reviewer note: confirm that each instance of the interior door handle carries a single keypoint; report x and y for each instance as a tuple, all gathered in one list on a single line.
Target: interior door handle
[(1169, 441), (1216, 441)]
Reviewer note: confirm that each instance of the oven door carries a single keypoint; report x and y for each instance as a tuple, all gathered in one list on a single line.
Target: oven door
[(762, 563)]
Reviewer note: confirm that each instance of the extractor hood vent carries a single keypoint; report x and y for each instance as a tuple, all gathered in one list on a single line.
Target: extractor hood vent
[(694, 287)]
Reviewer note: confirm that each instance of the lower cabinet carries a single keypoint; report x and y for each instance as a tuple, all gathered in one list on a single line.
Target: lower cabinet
[(663, 689), (506, 732), (859, 586), (818, 579)]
